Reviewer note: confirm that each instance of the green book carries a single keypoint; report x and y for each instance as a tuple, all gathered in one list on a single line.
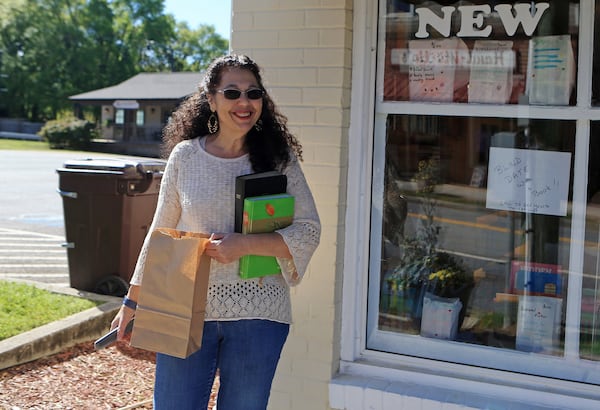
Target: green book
[(263, 214)]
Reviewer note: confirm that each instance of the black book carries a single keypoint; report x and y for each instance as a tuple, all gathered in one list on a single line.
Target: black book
[(257, 184)]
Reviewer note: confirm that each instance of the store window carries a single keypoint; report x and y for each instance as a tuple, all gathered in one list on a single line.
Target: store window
[(590, 298), (481, 52), (596, 79), (484, 238)]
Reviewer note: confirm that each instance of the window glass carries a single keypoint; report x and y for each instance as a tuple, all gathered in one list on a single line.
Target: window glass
[(476, 252), (139, 117), (475, 230), (595, 80), (119, 116), (481, 51), (590, 302)]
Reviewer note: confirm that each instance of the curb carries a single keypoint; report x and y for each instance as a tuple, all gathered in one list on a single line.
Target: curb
[(19, 136), (54, 337)]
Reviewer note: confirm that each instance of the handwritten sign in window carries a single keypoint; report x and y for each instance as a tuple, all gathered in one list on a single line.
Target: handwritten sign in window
[(528, 181), (551, 70), (538, 324), (492, 65), (436, 69)]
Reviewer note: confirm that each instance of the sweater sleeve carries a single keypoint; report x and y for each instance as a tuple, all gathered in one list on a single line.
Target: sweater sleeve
[(303, 235), (168, 211)]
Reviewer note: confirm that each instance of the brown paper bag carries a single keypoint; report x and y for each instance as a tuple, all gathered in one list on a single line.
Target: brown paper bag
[(171, 306)]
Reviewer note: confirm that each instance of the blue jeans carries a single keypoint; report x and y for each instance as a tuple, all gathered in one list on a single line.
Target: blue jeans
[(246, 353)]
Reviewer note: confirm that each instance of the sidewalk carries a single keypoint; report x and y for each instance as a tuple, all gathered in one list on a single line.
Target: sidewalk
[(56, 336)]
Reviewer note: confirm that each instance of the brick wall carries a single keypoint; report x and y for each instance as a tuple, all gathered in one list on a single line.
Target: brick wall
[(304, 48)]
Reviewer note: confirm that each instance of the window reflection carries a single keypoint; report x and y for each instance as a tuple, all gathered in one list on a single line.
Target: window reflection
[(453, 265), (590, 303), (481, 52), (595, 78)]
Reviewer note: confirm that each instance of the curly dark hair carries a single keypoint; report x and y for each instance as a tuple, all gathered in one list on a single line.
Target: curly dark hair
[(269, 148)]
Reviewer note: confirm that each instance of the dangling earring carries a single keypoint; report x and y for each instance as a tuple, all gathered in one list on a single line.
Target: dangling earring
[(258, 125), (212, 123)]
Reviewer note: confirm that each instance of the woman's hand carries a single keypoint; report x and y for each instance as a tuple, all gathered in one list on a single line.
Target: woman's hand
[(121, 320), (229, 247), (125, 314), (226, 248)]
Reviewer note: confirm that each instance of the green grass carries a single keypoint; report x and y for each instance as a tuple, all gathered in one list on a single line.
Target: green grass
[(24, 307), (11, 144)]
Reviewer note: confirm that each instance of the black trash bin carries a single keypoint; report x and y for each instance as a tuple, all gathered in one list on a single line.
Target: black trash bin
[(108, 206)]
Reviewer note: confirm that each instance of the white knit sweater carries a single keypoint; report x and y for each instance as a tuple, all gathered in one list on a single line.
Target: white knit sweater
[(197, 195)]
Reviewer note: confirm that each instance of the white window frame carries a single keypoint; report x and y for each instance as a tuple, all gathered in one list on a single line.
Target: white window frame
[(368, 368)]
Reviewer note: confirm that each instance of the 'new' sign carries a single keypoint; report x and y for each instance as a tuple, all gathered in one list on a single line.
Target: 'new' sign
[(472, 23)]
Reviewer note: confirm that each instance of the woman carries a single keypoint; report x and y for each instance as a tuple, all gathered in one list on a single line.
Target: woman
[(230, 127)]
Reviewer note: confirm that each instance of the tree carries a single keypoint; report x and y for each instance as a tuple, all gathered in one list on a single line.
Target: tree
[(186, 50), (56, 48), (195, 49)]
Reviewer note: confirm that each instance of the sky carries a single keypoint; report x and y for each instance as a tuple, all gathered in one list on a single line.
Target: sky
[(196, 12)]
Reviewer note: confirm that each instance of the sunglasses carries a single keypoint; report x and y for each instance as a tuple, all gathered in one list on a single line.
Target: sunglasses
[(234, 94)]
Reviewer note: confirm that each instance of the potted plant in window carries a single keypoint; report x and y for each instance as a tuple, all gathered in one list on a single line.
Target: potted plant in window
[(422, 267), (450, 282)]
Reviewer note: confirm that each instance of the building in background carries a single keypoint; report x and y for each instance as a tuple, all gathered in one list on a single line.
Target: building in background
[(134, 112)]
